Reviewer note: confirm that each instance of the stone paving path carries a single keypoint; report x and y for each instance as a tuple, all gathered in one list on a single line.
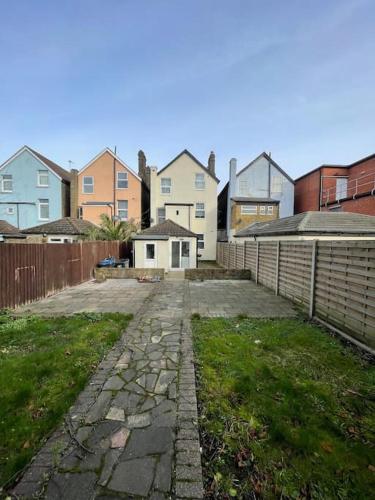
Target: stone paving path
[(133, 431)]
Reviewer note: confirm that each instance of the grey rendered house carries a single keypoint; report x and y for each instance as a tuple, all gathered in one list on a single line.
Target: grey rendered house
[(261, 191)]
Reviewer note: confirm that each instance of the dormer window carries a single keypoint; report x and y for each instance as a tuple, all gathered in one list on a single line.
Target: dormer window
[(166, 185), (43, 178)]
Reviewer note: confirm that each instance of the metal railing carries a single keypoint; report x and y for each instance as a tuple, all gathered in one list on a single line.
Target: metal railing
[(355, 187)]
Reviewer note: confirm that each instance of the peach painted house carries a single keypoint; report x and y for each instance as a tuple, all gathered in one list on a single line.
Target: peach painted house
[(107, 185)]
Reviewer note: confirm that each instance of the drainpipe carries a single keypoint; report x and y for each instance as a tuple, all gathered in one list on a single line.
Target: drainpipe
[(114, 184), (269, 177)]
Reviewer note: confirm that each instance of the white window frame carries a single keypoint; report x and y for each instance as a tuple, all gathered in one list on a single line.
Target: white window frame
[(245, 209), (123, 209), (200, 185), (9, 210), (84, 185), (201, 211), (155, 248), (200, 241), (162, 188), (4, 180), (126, 180), (43, 202), (161, 219), (262, 210), (270, 210), (42, 173)]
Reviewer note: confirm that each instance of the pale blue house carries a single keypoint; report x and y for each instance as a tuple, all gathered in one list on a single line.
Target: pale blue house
[(33, 189)]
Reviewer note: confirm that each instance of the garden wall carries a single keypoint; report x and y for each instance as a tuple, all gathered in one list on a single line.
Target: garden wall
[(333, 280), (103, 273)]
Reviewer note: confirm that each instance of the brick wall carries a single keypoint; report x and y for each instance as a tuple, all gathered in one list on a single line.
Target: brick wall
[(239, 221), (306, 193)]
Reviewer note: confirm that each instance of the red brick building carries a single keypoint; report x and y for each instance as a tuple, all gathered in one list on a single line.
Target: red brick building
[(345, 188)]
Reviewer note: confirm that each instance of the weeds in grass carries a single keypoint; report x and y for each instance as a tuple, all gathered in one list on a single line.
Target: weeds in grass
[(286, 411), (44, 364)]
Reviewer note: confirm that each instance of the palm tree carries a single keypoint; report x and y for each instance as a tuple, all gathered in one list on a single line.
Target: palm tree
[(113, 230)]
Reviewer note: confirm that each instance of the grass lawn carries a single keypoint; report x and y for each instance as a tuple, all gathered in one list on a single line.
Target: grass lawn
[(44, 364), (286, 411)]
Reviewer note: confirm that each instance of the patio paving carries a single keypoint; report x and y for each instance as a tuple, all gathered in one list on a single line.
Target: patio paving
[(233, 297), (125, 296), (133, 431)]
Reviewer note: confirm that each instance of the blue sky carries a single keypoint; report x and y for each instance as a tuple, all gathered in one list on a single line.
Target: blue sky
[(294, 77)]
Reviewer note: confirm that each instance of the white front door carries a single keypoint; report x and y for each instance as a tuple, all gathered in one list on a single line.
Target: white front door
[(180, 254), (150, 255)]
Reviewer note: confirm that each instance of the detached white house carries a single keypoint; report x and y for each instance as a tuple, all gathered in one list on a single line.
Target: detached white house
[(185, 191), (166, 245)]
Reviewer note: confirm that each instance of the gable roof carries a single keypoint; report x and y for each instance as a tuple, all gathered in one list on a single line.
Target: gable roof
[(314, 223), (192, 157), (165, 229), (60, 172), (108, 150), (7, 229), (269, 159), (66, 225)]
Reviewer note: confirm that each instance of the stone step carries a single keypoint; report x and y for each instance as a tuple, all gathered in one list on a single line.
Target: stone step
[(175, 275)]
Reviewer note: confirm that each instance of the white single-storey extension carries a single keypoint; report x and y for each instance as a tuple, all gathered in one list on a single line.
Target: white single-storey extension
[(166, 245), (312, 226)]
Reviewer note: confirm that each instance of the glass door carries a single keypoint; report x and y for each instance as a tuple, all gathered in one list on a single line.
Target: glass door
[(185, 254), (175, 255), (150, 255)]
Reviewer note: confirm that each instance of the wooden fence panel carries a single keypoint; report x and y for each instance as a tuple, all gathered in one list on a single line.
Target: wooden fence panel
[(32, 271), (250, 256), (335, 283), (345, 287), (295, 271), (21, 273), (267, 264)]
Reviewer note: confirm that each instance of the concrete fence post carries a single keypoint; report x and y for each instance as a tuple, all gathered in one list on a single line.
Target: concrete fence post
[(257, 264), (277, 268), (244, 256), (312, 279)]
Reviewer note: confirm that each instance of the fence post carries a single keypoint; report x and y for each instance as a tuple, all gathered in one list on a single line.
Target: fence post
[(257, 264), (235, 255), (244, 255), (312, 280), (228, 257), (81, 260), (277, 267)]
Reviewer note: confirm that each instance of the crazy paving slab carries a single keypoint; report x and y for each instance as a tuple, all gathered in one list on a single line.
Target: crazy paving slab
[(133, 431)]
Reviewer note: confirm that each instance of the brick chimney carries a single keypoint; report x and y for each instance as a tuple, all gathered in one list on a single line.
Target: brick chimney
[(74, 193), (143, 170), (211, 163)]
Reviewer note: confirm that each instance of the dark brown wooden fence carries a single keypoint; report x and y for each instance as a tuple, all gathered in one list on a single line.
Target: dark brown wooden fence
[(32, 271), (333, 280)]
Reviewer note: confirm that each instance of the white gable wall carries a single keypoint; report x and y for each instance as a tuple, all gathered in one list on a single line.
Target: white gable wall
[(256, 178)]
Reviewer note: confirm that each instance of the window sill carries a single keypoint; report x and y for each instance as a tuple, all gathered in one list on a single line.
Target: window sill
[(40, 186)]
